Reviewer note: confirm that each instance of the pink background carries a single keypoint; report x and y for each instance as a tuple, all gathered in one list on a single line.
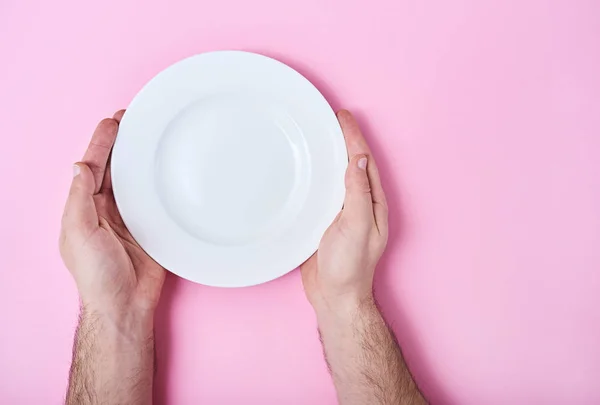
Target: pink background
[(485, 118)]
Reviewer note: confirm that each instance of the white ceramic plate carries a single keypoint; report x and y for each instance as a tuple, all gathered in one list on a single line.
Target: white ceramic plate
[(228, 167)]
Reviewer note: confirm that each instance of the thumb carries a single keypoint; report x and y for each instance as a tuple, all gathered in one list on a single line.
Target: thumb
[(80, 211), (358, 202)]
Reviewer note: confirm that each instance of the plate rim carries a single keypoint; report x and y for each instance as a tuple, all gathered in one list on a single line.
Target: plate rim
[(339, 144)]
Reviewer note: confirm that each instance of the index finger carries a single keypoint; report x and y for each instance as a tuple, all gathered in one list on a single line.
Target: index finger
[(357, 145), (98, 151)]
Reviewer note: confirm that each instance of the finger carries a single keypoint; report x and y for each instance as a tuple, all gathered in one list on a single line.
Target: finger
[(80, 210), (380, 206), (355, 141), (309, 263), (357, 203), (307, 273), (357, 144), (118, 116), (107, 180), (99, 149)]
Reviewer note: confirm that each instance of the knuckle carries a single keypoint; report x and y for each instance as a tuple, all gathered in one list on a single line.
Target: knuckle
[(364, 187), (361, 187), (358, 184)]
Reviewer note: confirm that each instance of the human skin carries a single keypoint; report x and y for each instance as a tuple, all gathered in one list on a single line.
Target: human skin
[(119, 287), (363, 355)]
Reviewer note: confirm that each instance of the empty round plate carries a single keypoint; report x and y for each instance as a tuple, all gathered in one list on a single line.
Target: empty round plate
[(228, 167)]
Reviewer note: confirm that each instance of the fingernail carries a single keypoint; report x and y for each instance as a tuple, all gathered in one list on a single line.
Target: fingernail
[(76, 170), (362, 163)]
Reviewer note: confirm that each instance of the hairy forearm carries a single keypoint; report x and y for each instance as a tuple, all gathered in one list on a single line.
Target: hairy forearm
[(113, 360), (364, 358)]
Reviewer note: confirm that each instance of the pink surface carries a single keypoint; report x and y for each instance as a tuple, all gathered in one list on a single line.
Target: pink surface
[(485, 117)]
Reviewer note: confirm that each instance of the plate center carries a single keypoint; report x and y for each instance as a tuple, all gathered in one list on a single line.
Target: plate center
[(230, 167)]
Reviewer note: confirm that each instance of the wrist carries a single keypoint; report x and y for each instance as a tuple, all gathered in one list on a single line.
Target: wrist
[(344, 309), (126, 325)]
